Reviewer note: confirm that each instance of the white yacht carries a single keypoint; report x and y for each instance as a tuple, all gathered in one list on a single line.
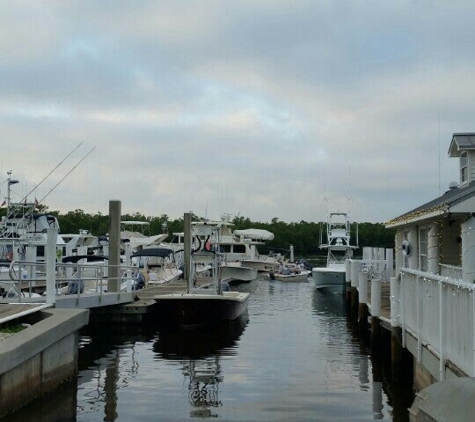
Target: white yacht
[(339, 249)]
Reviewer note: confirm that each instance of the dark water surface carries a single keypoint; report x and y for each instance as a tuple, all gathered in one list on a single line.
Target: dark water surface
[(294, 357)]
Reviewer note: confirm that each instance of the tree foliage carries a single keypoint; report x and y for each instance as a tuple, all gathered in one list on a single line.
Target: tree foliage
[(304, 236)]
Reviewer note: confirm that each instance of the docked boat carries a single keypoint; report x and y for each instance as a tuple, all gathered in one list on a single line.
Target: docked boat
[(203, 305), (233, 251), (254, 237), (157, 264), (23, 236), (235, 272), (337, 242), (291, 272)]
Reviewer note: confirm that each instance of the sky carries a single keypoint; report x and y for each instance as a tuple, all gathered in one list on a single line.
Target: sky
[(261, 109)]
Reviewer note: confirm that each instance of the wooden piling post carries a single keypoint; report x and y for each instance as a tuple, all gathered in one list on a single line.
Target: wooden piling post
[(363, 312), (113, 282), (187, 248), (51, 239), (375, 313), (355, 269), (347, 286)]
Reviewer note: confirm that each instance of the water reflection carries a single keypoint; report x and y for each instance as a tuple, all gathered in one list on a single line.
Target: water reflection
[(328, 303), (299, 358), (199, 352), (379, 381), (106, 363)]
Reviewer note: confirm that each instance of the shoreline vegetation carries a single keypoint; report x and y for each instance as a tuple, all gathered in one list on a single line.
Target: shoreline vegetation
[(304, 236)]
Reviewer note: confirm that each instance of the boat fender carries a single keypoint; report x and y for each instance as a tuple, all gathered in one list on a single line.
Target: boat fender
[(406, 248)]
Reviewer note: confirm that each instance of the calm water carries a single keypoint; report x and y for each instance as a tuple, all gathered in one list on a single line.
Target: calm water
[(294, 357)]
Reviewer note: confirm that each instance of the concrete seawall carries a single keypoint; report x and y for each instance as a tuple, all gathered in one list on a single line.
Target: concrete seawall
[(38, 359)]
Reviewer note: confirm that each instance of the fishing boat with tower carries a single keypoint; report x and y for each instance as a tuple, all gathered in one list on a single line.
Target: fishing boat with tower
[(335, 238)]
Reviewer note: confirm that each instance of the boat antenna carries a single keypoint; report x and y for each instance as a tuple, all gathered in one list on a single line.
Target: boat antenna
[(51, 172), (67, 174)]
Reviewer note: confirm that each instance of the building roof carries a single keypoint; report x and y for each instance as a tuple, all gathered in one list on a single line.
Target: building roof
[(435, 208), (461, 141)]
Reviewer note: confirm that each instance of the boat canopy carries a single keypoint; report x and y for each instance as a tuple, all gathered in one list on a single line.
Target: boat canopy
[(256, 234), (159, 252), (137, 239), (90, 258)]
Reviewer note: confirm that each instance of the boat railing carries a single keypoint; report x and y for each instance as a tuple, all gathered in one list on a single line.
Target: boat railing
[(27, 280)]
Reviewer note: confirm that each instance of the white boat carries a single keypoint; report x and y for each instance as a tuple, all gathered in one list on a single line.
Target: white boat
[(200, 306), (254, 237), (339, 249), (233, 250), (157, 264), (23, 236), (235, 272), (291, 272), (241, 246), (81, 243)]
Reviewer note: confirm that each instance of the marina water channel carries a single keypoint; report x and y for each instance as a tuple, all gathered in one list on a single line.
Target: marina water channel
[(294, 357)]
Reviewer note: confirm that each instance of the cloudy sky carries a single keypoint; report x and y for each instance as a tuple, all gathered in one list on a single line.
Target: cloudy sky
[(262, 108)]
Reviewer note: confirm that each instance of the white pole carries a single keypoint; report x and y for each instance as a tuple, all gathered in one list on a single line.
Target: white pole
[(363, 288), (433, 252), (442, 331), (375, 297), (31, 257), (389, 263), (355, 269), (395, 293), (348, 269), (51, 238)]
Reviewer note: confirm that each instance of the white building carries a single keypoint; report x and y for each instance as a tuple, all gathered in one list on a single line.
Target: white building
[(439, 236)]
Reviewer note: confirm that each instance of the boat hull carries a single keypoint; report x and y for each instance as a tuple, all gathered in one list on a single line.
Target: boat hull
[(329, 278), (191, 309), (237, 273), (303, 276), (261, 266)]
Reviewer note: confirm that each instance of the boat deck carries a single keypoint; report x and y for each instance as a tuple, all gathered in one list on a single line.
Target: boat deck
[(174, 287)]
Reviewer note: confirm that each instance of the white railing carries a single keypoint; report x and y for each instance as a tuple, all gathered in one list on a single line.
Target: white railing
[(439, 312), (24, 278), (450, 271)]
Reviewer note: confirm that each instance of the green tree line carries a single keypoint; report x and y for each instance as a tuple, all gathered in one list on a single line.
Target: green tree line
[(304, 236)]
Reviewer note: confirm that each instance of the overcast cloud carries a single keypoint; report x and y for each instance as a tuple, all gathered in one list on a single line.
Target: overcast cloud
[(268, 108)]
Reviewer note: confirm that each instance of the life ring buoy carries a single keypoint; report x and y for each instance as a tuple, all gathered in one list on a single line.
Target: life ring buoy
[(406, 248)]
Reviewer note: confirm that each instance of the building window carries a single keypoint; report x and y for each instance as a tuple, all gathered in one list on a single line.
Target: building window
[(423, 248), (463, 167)]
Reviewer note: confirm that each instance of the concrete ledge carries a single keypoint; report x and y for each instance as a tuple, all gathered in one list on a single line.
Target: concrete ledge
[(449, 400), (39, 358), (57, 324)]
